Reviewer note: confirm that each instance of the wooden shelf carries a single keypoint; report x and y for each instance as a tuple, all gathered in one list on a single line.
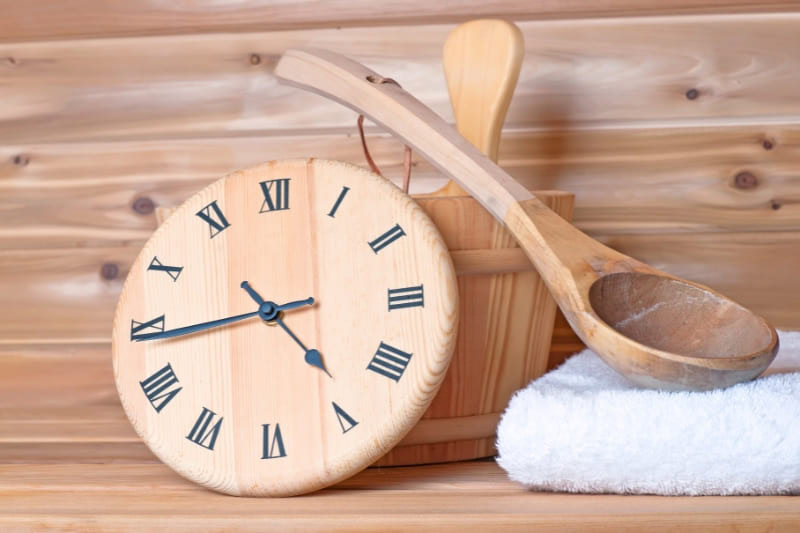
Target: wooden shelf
[(83, 468)]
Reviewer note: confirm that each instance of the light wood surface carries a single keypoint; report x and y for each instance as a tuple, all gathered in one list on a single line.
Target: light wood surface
[(53, 476), (249, 409)]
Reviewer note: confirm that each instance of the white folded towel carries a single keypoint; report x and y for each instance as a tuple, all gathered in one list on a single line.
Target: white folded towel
[(584, 428)]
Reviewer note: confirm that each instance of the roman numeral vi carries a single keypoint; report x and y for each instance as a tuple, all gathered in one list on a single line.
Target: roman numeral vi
[(406, 297), (276, 195), (389, 361), (215, 219), (203, 435), (273, 448), (159, 388)]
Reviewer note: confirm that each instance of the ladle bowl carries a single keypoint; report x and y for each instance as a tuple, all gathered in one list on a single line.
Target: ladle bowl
[(656, 329)]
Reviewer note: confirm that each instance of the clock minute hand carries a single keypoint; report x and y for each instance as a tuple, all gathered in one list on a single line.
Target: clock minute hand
[(195, 328)]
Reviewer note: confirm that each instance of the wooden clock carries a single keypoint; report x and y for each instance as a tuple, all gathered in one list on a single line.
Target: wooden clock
[(285, 327)]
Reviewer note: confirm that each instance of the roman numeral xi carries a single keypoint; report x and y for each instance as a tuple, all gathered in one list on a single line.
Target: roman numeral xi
[(215, 219), (160, 388)]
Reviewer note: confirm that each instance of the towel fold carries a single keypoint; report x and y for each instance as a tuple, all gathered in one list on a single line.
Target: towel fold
[(584, 428)]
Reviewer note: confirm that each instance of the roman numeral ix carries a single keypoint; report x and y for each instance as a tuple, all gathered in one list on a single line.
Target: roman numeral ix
[(389, 361), (172, 271), (387, 238), (406, 297), (273, 448), (203, 433), (276, 195), (160, 387), (346, 422), (213, 216), (141, 330)]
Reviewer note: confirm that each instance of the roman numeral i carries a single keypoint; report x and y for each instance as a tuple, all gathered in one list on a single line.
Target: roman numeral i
[(387, 238), (273, 448), (203, 433), (215, 219), (142, 330), (159, 388), (172, 271), (406, 297), (276, 195), (389, 361)]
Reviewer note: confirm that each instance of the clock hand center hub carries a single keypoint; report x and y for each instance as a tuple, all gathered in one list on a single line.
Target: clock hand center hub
[(268, 311)]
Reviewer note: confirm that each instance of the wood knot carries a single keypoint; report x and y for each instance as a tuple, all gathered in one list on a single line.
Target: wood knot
[(775, 205), (143, 205), (692, 94), (21, 160), (255, 59), (768, 144), (745, 180), (109, 271)]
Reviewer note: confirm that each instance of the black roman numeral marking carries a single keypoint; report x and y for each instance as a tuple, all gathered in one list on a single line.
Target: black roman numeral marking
[(335, 207), (346, 421), (406, 297), (217, 222), (276, 195), (387, 238), (389, 361), (273, 448), (141, 330), (203, 435), (159, 387), (172, 271)]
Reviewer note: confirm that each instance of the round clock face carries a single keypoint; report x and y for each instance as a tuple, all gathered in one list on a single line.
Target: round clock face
[(285, 327)]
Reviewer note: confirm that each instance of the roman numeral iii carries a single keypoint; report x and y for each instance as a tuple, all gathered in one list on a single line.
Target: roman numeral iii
[(203, 433), (406, 297), (389, 361), (276, 195), (141, 330), (160, 388), (273, 448), (172, 271), (346, 422), (387, 238), (213, 216)]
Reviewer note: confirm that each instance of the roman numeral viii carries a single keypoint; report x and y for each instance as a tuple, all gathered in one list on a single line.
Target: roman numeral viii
[(406, 297), (203, 433), (273, 448), (171, 271), (142, 330), (160, 388), (276, 195), (215, 219), (387, 238), (389, 361)]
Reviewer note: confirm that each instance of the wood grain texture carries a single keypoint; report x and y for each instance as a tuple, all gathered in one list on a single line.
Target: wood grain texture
[(85, 18), (328, 230), (578, 73)]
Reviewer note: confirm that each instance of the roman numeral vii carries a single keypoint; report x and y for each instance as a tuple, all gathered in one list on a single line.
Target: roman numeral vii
[(203, 433)]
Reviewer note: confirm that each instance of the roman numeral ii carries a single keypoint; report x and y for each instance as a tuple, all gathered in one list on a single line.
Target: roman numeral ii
[(160, 388), (406, 297), (273, 448), (389, 361), (276, 195), (203, 433), (215, 219), (387, 238)]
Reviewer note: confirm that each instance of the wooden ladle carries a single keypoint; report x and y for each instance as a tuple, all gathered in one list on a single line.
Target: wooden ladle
[(658, 330)]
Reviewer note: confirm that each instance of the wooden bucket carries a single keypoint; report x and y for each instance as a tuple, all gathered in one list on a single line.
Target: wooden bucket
[(505, 330)]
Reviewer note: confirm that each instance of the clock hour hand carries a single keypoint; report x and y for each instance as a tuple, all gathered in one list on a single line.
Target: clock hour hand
[(195, 328), (312, 357)]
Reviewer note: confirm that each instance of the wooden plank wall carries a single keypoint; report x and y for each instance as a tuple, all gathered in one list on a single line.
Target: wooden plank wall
[(676, 124)]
